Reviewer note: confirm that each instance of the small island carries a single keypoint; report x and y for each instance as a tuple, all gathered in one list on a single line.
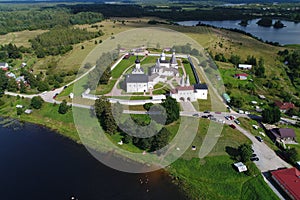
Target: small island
[(244, 23), (278, 24), (266, 22)]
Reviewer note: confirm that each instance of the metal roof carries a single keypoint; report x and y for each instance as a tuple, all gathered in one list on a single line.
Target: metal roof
[(136, 78)]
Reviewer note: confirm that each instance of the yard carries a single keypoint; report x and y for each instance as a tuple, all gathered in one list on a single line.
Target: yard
[(189, 72), (122, 66), (196, 177)]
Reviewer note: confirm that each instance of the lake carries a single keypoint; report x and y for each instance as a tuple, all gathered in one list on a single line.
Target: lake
[(39, 164), (287, 35)]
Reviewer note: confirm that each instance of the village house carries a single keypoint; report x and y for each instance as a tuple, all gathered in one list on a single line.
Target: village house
[(4, 66), (284, 106), (289, 181), (245, 66), (283, 134), (241, 76), (10, 75)]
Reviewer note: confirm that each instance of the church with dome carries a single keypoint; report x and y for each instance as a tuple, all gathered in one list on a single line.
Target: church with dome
[(138, 81)]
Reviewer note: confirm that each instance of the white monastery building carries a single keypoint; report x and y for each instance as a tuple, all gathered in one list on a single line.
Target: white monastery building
[(187, 92), (138, 81)]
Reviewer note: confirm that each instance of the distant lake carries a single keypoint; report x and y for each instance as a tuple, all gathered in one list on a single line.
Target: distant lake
[(287, 35), (39, 164)]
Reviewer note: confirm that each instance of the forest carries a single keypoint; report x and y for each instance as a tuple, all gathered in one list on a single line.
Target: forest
[(42, 18), (176, 13), (59, 40)]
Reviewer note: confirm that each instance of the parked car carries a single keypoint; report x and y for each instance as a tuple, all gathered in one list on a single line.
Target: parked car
[(254, 159), (213, 119), (253, 155), (237, 121), (227, 118), (204, 116), (206, 111), (65, 86), (259, 138), (196, 115), (218, 112), (232, 126)]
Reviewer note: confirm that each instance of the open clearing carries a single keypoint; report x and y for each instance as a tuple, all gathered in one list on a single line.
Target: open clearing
[(20, 38)]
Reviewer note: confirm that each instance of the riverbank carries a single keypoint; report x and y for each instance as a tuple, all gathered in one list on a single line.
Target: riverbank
[(36, 159), (193, 176), (62, 125), (274, 36)]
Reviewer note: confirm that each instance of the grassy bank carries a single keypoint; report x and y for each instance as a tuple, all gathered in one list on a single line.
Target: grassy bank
[(209, 178)]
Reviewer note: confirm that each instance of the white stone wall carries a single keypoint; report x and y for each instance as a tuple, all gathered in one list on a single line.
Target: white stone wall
[(201, 94), (136, 87)]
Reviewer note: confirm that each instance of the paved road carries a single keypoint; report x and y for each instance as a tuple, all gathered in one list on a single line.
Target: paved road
[(268, 160), (47, 96)]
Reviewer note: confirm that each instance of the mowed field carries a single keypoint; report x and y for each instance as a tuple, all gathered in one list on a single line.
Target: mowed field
[(214, 176), (20, 38)]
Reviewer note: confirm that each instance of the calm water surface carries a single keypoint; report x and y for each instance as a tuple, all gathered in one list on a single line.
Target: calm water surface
[(287, 35), (38, 164)]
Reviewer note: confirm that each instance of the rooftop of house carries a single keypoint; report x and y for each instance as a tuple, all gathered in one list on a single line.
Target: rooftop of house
[(289, 179), (200, 86), (284, 132), (182, 88), (137, 78), (284, 105), (241, 74)]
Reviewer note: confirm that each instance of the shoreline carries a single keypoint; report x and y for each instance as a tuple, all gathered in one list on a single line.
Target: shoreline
[(174, 180)]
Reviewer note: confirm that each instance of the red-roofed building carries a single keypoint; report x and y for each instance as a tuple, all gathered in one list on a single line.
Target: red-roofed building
[(241, 76), (289, 181), (284, 106)]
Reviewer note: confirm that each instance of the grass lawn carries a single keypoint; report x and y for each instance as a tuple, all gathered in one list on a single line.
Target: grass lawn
[(132, 97), (20, 38), (203, 104), (189, 72), (163, 90), (197, 179), (122, 66), (48, 115), (104, 89), (64, 95), (215, 178), (247, 124), (297, 132)]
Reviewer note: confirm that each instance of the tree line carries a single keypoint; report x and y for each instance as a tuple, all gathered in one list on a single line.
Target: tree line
[(11, 51), (131, 129), (43, 18), (292, 60), (102, 69), (59, 40)]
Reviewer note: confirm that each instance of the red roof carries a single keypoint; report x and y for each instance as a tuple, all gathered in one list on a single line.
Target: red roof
[(284, 105), (4, 68), (289, 179), (181, 88), (238, 75), (185, 88)]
